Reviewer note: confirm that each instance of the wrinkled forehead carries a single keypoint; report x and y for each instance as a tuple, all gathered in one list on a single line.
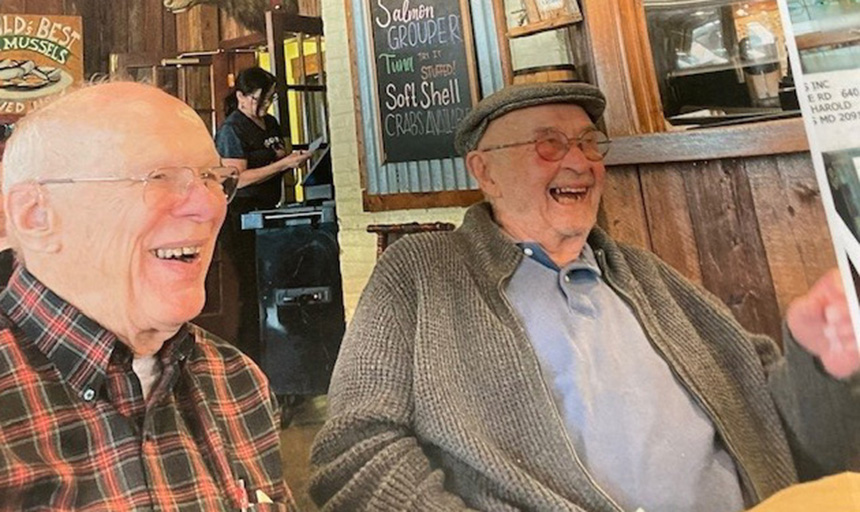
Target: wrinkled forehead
[(565, 117)]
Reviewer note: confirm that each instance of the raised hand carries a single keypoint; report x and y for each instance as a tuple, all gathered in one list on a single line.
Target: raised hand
[(820, 322)]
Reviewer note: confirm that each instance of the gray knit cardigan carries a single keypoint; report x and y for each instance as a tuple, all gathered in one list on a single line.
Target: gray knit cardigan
[(437, 400)]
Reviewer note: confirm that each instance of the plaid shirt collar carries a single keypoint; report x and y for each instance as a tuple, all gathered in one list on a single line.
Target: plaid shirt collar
[(77, 345)]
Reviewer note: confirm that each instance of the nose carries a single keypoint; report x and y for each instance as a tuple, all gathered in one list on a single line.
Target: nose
[(576, 160), (200, 203)]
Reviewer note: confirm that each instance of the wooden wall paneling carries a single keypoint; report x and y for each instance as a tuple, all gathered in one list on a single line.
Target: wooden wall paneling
[(731, 252), (153, 25), (230, 28), (168, 31), (668, 215), (137, 26), (184, 30), (209, 27), (116, 27), (45, 7), (622, 212), (197, 29), (792, 223), (95, 56), (198, 91), (220, 87), (816, 245), (13, 6)]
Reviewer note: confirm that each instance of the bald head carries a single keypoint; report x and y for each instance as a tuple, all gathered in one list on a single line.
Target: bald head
[(99, 130)]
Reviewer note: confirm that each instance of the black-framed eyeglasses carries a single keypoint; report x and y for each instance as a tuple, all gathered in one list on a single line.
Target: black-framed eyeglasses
[(552, 145), (168, 181)]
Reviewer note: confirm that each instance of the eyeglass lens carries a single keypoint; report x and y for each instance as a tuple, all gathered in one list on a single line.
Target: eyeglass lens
[(176, 180), (554, 145)]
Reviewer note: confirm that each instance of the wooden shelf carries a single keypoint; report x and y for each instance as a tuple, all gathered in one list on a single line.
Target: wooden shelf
[(738, 141), (543, 26)]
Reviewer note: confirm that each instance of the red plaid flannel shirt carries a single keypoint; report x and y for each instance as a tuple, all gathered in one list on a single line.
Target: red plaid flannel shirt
[(76, 434)]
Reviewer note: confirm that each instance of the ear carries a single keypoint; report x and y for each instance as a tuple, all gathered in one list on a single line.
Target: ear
[(32, 218), (478, 164)]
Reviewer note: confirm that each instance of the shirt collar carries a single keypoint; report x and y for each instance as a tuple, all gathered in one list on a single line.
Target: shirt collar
[(78, 346), (585, 261)]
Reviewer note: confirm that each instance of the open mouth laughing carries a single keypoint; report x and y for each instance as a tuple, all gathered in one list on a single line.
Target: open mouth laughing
[(569, 194), (188, 254)]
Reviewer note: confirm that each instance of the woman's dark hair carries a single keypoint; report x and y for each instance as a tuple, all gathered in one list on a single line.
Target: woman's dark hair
[(248, 81)]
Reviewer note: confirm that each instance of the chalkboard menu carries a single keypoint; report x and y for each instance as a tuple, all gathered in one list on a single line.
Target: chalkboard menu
[(425, 75)]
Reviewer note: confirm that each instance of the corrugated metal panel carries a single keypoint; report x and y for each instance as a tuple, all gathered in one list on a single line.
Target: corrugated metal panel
[(414, 182), (461, 174), (426, 173), (419, 176), (437, 175)]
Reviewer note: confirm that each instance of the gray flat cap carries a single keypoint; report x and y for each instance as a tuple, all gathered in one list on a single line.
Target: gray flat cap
[(514, 97)]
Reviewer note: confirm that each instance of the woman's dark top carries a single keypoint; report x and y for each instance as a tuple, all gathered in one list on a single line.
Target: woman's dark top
[(240, 137)]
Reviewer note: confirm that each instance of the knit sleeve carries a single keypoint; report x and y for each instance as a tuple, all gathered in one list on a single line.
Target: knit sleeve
[(820, 414), (366, 457)]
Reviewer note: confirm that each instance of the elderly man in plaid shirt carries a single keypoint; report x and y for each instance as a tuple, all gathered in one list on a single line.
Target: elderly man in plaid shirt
[(109, 398)]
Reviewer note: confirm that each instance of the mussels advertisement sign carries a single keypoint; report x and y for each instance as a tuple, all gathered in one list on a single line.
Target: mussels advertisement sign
[(425, 75), (40, 55)]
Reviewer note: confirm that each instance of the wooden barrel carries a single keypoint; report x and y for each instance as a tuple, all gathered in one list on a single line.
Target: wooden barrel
[(553, 73)]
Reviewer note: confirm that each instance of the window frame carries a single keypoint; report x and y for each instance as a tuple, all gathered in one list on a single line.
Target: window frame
[(618, 58), (625, 70)]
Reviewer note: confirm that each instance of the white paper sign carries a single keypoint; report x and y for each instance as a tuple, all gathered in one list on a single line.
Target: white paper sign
[(823, 39)]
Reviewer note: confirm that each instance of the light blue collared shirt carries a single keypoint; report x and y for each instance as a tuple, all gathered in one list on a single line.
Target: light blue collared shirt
[(637, 430)]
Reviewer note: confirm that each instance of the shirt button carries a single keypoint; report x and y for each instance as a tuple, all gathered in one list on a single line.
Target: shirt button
[(567, 278), (89, 394), (528, 251)]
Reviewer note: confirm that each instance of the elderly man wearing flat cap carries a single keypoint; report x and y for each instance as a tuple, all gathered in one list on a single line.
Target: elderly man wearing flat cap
[(526, 361)]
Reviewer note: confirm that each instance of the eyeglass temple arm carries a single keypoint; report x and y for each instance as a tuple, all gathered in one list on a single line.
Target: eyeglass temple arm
[(63, 181), (511, 145)]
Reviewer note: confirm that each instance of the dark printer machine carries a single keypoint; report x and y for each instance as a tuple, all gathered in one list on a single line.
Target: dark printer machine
[(299, 286)]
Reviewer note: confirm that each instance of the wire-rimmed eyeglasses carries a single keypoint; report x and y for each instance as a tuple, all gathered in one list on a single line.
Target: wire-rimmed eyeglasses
[(552, 145), (168, 181)]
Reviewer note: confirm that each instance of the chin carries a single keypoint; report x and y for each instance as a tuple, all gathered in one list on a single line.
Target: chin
[(179, 308), (575, 225)]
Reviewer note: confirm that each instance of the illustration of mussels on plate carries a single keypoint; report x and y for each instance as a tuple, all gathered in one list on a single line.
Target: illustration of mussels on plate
[(26, 75)]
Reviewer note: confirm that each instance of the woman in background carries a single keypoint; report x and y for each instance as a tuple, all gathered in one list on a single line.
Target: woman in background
[(252, 141)]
